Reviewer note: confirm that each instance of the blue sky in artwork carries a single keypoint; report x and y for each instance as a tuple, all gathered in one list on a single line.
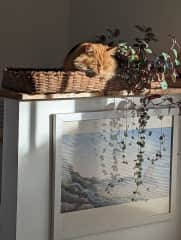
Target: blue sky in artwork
[(81, 150)]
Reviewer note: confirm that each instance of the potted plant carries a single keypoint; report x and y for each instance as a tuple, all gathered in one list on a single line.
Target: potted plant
[(138, 64)]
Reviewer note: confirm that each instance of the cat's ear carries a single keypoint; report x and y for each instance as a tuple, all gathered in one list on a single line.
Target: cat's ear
[(112, 50), (89, 49)]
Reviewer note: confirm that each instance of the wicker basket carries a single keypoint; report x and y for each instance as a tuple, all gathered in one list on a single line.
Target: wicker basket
[(45, 81), (171, 84)]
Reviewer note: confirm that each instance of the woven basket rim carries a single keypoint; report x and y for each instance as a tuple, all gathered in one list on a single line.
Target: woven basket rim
[(32, 69)]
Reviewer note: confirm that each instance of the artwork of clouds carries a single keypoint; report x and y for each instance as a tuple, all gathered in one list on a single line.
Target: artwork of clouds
[(94, 176)]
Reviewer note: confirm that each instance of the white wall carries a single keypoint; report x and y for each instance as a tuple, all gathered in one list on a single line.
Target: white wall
[(33, 33), (39, 33), (92, 17)]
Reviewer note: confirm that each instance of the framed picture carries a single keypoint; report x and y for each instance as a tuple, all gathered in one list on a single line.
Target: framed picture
[(98, 184)]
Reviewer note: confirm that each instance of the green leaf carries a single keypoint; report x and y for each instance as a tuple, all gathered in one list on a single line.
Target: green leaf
[(164, 68), (125, 47), (140, 28), (110, 31), (132, 58), (116, 32), (177, 62), (175, 52), (174, 77), (148, 50), (122, 44), (132, 50), (165, 55), (164, 85), (148, 29)]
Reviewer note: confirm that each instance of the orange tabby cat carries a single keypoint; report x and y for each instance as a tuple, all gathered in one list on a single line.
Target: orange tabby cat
[(92, 58)]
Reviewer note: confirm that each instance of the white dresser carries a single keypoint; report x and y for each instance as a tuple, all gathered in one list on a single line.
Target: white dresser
[(26, 171)]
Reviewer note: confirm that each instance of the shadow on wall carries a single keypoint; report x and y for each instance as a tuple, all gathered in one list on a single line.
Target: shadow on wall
[(34, 164), (89, 18), (35, 169), (33, 33)]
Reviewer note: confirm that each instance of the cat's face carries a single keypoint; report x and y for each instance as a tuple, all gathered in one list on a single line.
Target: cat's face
[(94, 59)]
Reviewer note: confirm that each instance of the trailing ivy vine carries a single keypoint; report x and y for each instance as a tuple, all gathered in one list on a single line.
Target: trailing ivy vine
[(118, 135)]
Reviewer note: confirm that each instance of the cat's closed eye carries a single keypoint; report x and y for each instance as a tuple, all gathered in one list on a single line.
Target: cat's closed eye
[(92, 58)]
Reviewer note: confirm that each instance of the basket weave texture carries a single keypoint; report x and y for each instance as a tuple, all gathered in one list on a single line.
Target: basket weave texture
[(45, 81)]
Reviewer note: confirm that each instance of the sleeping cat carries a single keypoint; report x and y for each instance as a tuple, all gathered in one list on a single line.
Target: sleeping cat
[(92, 58)]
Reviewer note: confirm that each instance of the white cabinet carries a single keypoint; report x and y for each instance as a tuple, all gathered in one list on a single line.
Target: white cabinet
[(25, 207)]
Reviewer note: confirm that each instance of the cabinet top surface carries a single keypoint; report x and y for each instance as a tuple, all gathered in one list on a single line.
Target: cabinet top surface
[(4, 93)]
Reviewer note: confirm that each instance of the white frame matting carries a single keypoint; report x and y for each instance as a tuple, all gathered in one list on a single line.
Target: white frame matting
[(93, 221)]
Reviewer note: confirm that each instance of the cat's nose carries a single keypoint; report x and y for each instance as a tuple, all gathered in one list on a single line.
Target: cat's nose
[(90, 73)]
